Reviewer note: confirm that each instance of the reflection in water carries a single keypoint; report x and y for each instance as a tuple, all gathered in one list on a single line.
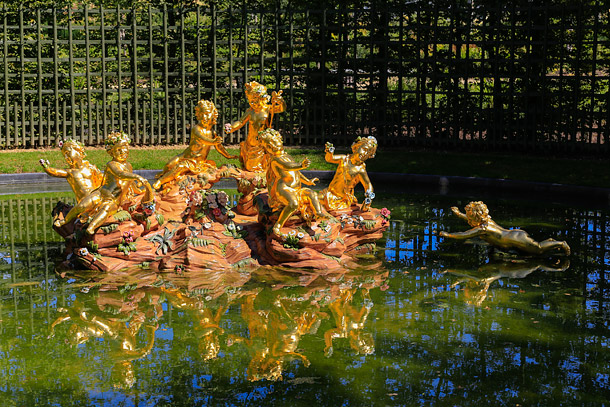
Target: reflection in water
[(477, 282), (540, 336), (350, 322), (117, 319)]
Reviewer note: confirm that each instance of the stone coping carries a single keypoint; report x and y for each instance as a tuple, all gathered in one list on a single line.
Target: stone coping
[(41, 182)]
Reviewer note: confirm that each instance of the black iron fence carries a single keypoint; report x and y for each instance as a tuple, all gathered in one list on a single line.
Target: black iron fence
[(445, 75)]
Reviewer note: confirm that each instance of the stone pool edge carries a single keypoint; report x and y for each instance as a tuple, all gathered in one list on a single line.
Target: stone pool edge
[(384, 178)]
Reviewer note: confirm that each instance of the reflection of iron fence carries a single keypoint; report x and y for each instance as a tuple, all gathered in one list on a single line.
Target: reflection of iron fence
[(494, 78), (28, 244)]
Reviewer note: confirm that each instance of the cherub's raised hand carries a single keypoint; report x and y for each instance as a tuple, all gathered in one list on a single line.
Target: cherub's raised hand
[(276, 97), (44, 163), (455, 210), (228, 128), (329, 148), (306, 162)]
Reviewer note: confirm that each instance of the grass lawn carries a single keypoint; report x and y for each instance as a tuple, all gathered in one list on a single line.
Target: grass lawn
[(587, 172)]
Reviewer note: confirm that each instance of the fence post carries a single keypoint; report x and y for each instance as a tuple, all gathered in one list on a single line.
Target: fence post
[(22, 76), (152, 74), (134, 52), (183, 78), (120, 33), (56, 73), (166, 75), (104, 83), (72, 89), (39, 70), (88, 76), (7, 133)]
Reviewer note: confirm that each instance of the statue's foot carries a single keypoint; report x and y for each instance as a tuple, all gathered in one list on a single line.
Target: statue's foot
[(156, 185), (59, 223), (90, 230), (566, 248)]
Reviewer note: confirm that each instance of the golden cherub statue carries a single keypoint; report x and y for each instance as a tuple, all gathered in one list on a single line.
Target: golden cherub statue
[(194, 158), (350, 172), (118, 181), (82, 176), (477, 216), (260, 117), (284, 179)]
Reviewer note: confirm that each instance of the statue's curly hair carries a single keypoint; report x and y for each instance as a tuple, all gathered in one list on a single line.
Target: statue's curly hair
[(114, 138), (477, 212), (75, 144), (256, 89), (269, 134), (206, 108), (369, 143)]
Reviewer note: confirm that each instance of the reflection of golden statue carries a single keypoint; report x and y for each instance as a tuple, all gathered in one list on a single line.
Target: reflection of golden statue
[(284, 180), (477, 216), (118, 181), (82, 176), (207, 323), (260, 117), (274, 338), (194, 158), (87, 324), (350, 172), (477, 284), (350, 323)]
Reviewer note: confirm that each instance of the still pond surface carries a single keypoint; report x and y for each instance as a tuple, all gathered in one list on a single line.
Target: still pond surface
[(424, 322)]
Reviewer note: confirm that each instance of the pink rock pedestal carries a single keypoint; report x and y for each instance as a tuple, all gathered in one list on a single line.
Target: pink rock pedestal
[(185, 236)]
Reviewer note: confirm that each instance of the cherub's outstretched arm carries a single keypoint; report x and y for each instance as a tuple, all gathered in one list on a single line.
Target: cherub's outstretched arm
[(278, 104), (200, 137), (239, 123), (308, 181), (293, 165), (223, 151), (474, 232), (459, 214), (54, 172), (330, 156), (363, 177), (120, 174)]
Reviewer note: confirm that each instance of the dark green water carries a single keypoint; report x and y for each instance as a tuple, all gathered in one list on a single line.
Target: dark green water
[(424, 323)]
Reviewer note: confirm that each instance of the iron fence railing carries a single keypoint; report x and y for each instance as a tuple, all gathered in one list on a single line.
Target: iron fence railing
[(446, 74)]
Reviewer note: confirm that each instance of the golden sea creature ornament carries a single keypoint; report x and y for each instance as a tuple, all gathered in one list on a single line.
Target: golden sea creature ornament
[(117, 184), (193, 160), (284, 179), (259, 117), (82, 176), (483, 227), (351, 171)]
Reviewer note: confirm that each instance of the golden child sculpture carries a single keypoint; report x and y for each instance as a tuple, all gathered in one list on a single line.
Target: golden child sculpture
[(118, 179), (477, 216), (194, 158), (190, 226), (284, 179), (82, 176), (260, 117), (350, 172)]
